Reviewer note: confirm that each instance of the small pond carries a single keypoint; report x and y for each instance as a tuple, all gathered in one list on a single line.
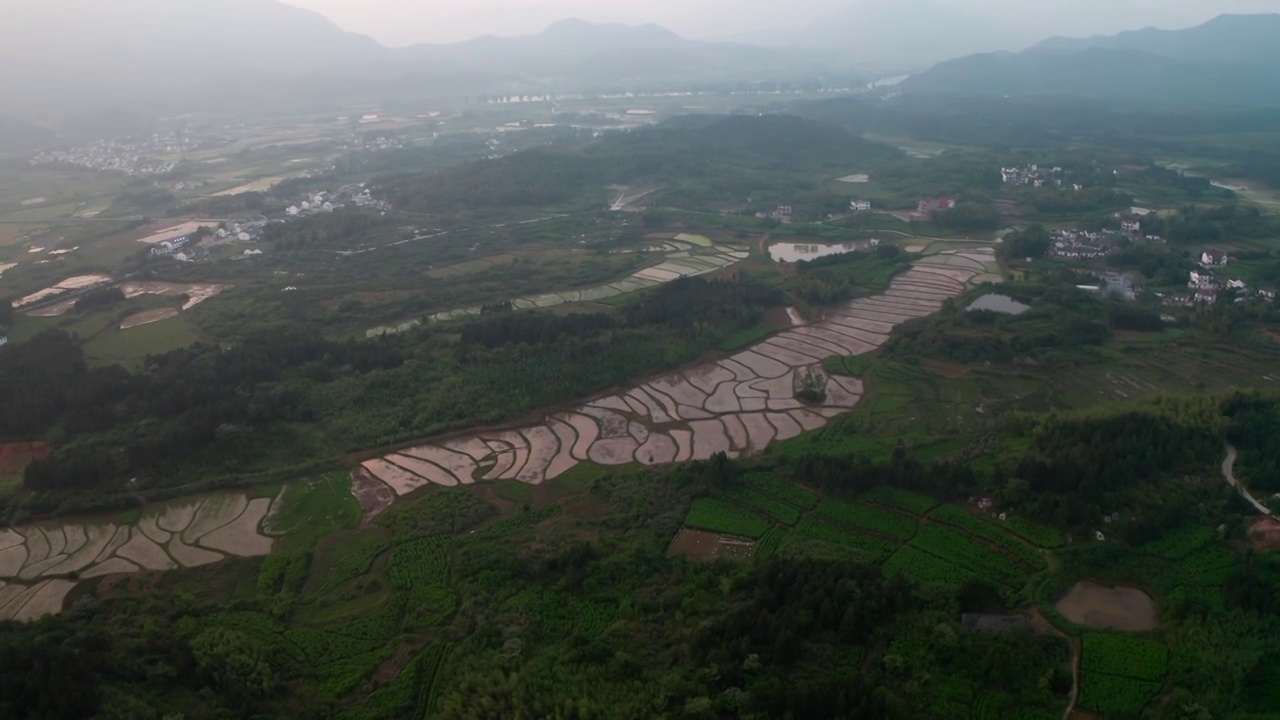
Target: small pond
[(1109, 608), (803, 252), (999, 303)]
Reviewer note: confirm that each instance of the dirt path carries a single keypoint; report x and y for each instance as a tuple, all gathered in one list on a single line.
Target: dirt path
[(1041, 623), (1228, 472)]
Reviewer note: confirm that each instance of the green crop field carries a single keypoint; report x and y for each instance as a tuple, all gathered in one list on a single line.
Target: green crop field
[(419, 563), (870, 546), (911, 502), (789, 493), (725, 517), (1115, 695), (869, 519), (986, 530), (926, 568), (1124, 655), (775, 508), (955, 548)]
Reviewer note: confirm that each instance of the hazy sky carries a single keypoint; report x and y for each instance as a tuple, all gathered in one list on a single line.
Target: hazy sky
[(404, 22)]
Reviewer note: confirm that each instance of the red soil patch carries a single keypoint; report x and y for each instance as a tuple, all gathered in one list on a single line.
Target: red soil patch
[(15, 457), (702, 545), (1265, 533), (391, 669)]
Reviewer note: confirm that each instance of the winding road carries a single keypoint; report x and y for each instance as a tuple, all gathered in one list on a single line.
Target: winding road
[(1228, 472)]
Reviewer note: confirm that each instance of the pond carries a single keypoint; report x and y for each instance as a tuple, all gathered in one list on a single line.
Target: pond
[(803, 252), (999, 303), (1109, 608)]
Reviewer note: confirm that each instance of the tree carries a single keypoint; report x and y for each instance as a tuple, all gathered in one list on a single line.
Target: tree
[(234, 663)]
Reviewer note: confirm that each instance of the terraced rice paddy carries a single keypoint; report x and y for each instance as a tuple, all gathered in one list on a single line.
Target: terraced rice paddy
[(738, 406), (41, 563)]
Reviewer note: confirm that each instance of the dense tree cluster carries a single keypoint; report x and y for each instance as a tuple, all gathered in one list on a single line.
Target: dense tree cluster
[(99, 298), (969, 215), (740, 153), (836, 278), (1032, 242), (1206, 225), (1062, 321), (1064, 202), (1254, 429)]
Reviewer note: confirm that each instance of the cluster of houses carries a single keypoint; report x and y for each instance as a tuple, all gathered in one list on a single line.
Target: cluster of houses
[(131, 156), (782, 214), (1206, 286), (1035, 176), (325, 202), (1083, 244), (1119, 286)]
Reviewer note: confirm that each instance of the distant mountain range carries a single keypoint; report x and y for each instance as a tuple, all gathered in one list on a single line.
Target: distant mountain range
[(1229, 61), (154, 56), (897, 34)]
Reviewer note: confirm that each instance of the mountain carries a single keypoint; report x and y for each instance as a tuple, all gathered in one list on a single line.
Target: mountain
[(59, 57), (1225, 39), (903, 33), (1229, 61)]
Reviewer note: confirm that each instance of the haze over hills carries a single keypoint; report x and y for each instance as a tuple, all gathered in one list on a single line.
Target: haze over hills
[(1227, 61), (161, 56), (899, 34)]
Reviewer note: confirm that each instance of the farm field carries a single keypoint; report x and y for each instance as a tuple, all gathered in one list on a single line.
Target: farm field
[(688, 257), (737, 406), (41, 563), (573, 483)]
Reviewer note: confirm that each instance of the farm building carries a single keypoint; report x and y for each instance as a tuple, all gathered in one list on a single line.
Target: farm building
[(992, 623)]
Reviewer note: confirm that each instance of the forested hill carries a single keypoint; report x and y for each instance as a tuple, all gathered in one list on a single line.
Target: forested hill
[(736, 153), (1168, 68)]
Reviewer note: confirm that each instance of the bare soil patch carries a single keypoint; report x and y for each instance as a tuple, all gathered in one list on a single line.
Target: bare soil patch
[(1265, 533), (172, 232), (15, 457), (1109, 608), (373, 495), (702, 545)]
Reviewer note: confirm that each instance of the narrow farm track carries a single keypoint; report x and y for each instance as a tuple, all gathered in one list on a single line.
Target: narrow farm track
[(1041, 623), (1228, 472), (737, 406)]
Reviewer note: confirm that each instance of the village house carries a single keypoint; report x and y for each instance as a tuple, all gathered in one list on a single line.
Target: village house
[(1237, 285), (1211, 258), (1133, 227), (1206, 297), (1201, 281), (168, 247), (782, 214), (860, 205), (3, 340)]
